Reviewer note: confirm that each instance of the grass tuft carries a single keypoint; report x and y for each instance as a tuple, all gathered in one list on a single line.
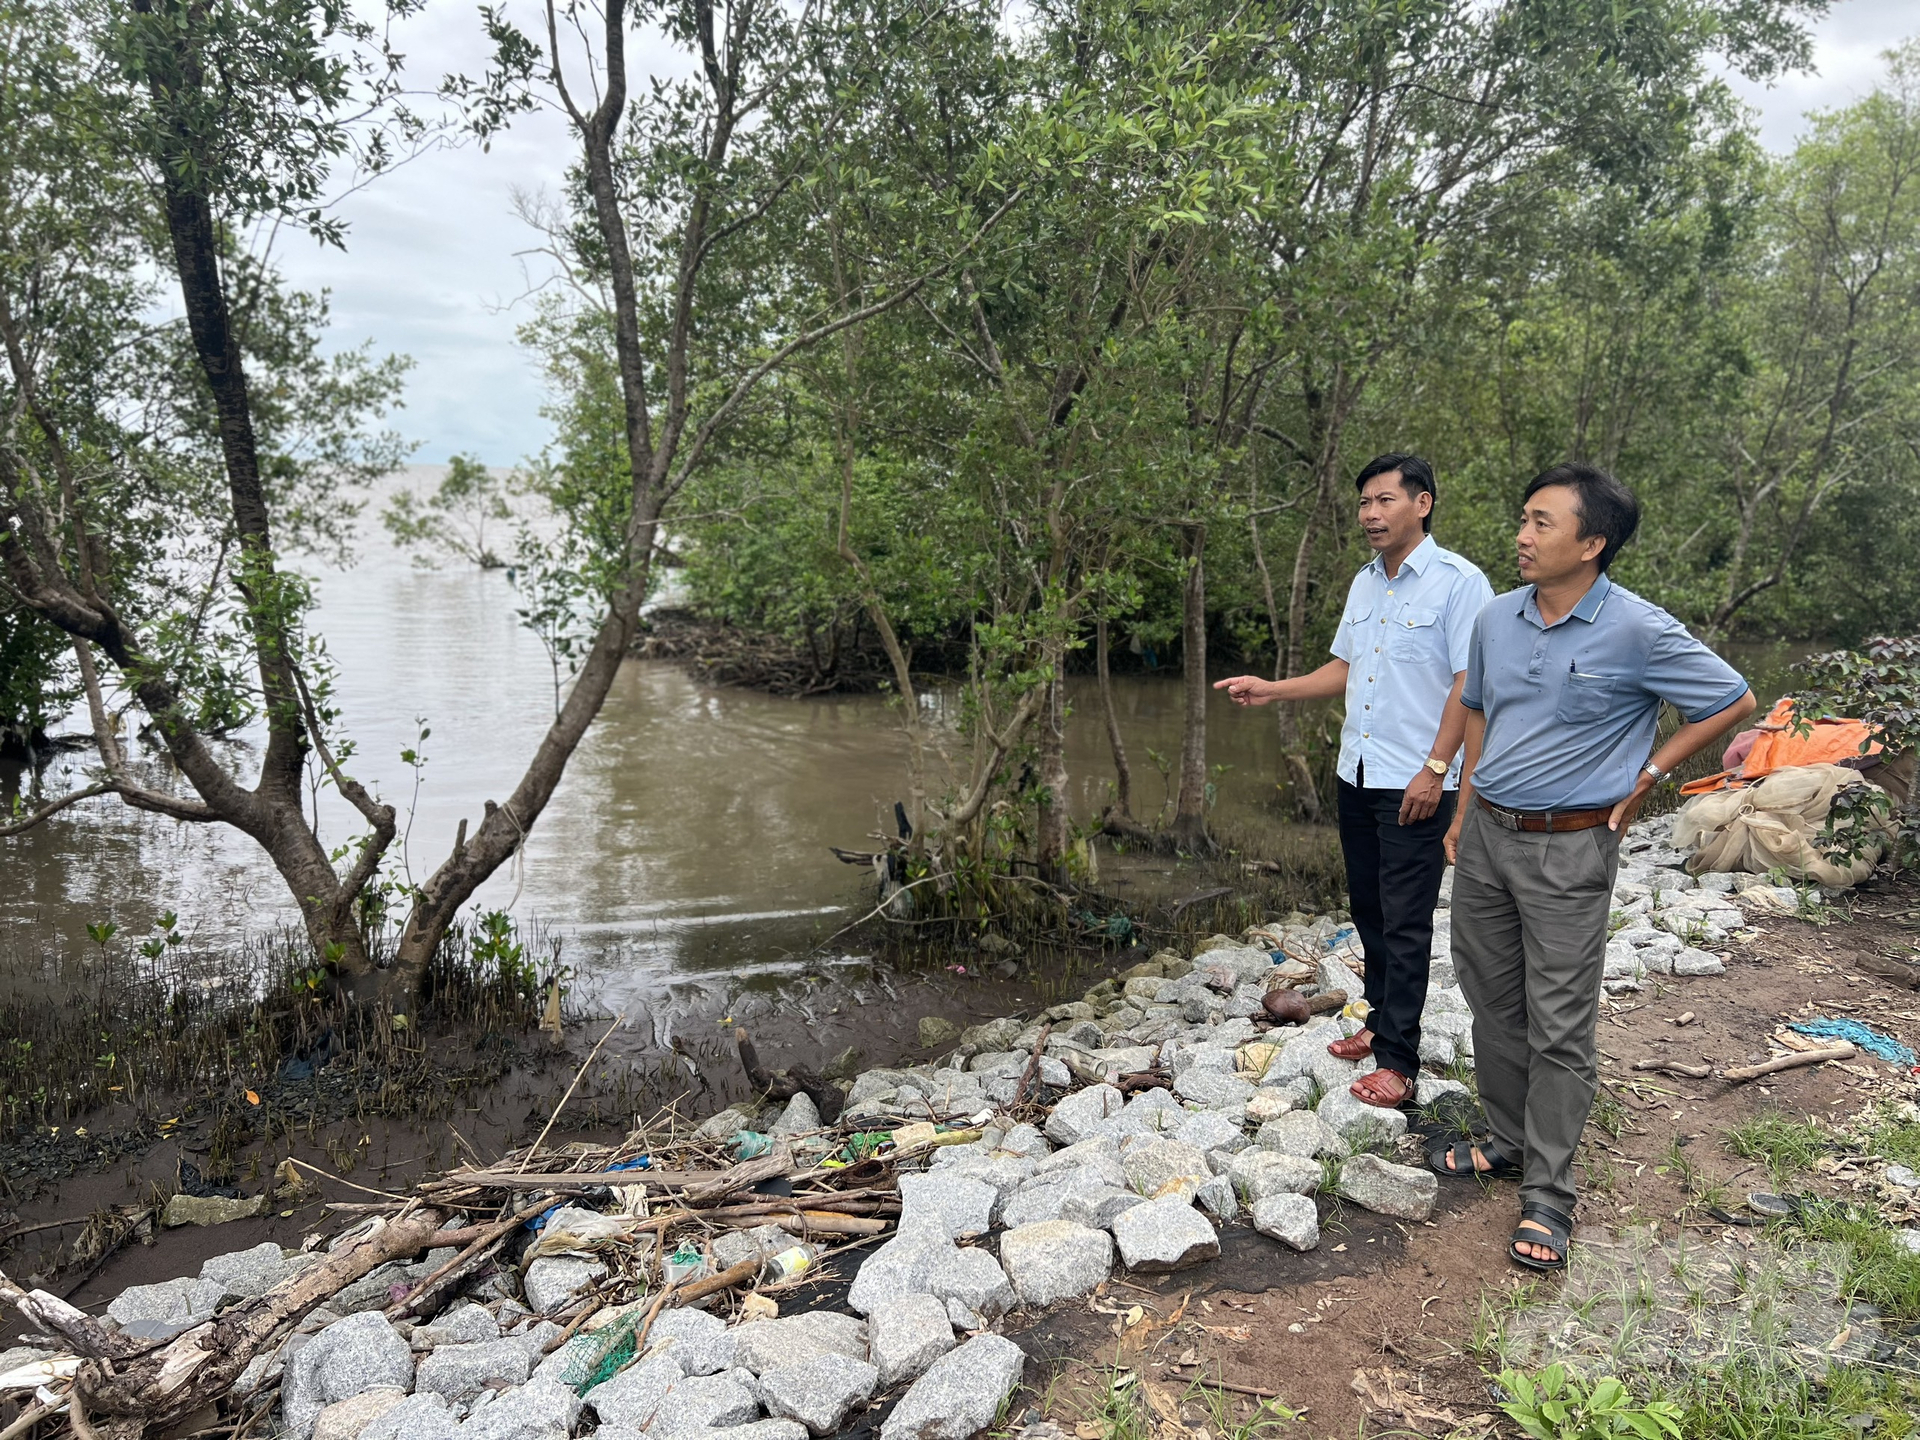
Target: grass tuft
[(1786, 1146)]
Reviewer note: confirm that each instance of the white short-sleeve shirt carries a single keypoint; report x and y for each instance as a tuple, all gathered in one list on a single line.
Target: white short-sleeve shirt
[(1404, 638)]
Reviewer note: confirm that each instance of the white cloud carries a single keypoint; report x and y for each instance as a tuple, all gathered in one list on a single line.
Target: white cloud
[(430, 268), (1849, 46)]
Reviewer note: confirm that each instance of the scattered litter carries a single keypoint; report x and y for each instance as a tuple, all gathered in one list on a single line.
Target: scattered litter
[(1864, 1037)]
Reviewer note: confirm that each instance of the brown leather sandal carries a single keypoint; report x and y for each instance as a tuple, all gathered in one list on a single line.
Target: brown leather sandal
[(1373, 1088), (1354, 1047)]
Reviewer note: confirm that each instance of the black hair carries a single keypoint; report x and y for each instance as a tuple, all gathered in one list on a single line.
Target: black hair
[(1416, 476), (1604, 505)]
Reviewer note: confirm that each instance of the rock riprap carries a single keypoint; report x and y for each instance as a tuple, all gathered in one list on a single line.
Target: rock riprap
[(1164, 1105)]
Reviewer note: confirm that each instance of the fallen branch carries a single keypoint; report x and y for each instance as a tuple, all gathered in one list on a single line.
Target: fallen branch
[(733, 1275), (1033, 1064), (161, 1388), (443, 1280), (1200, 1378), (31, 1417), (1675, 1067), (567, 1182), (1774, 1066), (798, 1079), (1203, 896), (84, 1335), (821, 1222)]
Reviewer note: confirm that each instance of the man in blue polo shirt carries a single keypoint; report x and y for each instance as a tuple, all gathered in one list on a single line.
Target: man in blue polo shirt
[(1399, 658), (1562, 698)]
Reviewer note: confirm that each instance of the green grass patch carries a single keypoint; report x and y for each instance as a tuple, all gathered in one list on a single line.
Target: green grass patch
[(1879, 1270), (1787, 1147), (1744, 1402), (1894, 1139)]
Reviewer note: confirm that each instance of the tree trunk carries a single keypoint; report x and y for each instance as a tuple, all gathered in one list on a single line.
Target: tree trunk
[(503, 828), (1189, 828), (1050, 844), (1122, 771)]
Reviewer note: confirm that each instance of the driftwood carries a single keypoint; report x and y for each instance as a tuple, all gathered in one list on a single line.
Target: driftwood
[(1201, 898), (83, 1334), (797, 1080), (1675, 1067), (1887, 967), (1842, 1051), (1326, 1001), (123, 1387), (741, 1176), (440, 1285), (1033, 1064), (820, 1222), (567, 1183)]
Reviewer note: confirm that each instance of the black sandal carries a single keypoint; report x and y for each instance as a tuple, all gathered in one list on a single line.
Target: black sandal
[(1557, 1236), (1499, 1166)]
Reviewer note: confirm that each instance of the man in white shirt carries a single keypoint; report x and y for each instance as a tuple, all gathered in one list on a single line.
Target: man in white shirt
[(1399, 658)]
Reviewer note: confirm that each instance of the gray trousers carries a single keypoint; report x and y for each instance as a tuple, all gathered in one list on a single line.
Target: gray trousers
[(1529, 943)]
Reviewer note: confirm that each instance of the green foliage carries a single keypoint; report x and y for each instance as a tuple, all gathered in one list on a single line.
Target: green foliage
[(496, 953), (1879, 685), (453, 519), (37, 678), (1788, 1147), (1879, 1270), (1558, 1405)]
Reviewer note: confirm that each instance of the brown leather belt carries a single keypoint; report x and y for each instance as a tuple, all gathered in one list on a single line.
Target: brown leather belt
[(1553, 822)]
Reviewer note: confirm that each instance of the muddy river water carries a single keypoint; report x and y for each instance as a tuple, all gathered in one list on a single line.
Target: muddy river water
[(687, 847), (687, 843)]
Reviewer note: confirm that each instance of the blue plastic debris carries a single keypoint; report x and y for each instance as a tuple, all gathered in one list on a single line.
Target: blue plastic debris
[(539, 1222), (1863, 1037), (750, 1144)]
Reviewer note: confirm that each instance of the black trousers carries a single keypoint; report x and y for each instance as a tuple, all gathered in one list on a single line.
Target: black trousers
[(1393, 880)]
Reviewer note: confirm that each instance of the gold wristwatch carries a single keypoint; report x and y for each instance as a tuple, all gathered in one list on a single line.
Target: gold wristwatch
[(1438, 767)]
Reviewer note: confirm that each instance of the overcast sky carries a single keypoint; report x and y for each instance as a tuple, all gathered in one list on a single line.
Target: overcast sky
[(431, 271)]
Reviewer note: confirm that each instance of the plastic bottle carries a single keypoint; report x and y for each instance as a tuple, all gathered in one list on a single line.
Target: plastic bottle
[(789, 1264)]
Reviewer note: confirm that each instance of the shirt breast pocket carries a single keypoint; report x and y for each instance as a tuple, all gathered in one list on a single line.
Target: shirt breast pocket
[(1359, 632), (1416, 635), (1585, 698)]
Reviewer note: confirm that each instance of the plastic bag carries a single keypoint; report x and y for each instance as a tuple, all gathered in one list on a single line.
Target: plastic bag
[(573, 1230), (1776, 824)]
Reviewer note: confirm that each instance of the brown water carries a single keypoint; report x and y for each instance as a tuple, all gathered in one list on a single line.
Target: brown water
[(686, 851), (688, 843)]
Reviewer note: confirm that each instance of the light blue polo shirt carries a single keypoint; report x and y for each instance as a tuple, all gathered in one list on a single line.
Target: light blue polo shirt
[(1404, 638), (1571, 707)]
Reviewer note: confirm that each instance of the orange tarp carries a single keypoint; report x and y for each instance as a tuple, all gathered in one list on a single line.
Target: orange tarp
[(1777, 746)]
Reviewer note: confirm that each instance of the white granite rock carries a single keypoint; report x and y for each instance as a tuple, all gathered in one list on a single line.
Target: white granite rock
[(909, 1334), (950, 1204), (960, 1393), (1389, 1189), (820, 1393), (1257, 1174), (416, 1417), (552, 1280), (1164, 1235), (1291, 1219), (1358, 1123), (1055, 1260), (347, 1358), (1074, 1118)]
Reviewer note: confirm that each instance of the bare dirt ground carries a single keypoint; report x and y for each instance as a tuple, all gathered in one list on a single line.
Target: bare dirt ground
[(1376, 1332)]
